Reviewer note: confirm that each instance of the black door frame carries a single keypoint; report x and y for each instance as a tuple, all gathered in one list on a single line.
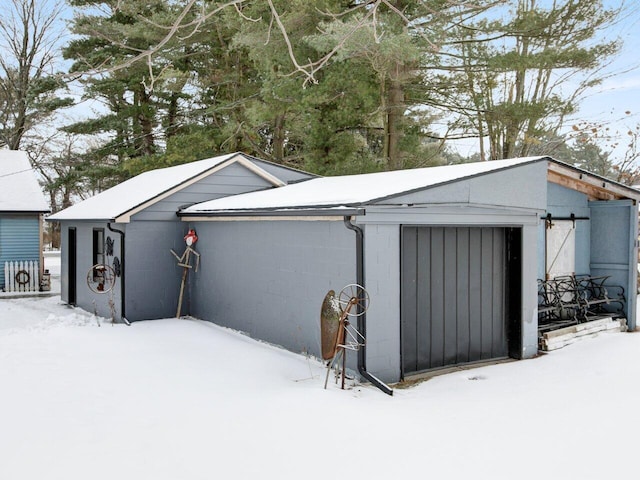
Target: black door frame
[(513, 294), (72, 273)]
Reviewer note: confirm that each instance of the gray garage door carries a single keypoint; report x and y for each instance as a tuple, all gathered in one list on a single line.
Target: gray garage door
[(453, 296)]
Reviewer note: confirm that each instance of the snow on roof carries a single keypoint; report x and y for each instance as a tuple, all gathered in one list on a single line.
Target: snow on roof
[(19, 187), (351, 190), (137, 191)]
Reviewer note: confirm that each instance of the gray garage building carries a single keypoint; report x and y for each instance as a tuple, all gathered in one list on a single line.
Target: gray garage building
[(133, 227), (450, 256)]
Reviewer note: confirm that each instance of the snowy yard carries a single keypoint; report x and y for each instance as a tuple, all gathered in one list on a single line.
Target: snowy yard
[(184, 399)]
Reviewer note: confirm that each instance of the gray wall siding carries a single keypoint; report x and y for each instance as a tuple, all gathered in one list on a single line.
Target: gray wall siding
[(287, 175), (530, 254), (268, 279), (514, 188), (230, 180), (85, 298), (382, 281), (19, 240), (152, 272)]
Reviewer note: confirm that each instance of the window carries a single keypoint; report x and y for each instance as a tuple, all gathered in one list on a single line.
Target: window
[(98, 249)]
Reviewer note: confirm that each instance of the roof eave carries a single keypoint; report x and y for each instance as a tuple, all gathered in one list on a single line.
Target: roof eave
[(596, 187), (22, 212), (278, 212), (95, 220)]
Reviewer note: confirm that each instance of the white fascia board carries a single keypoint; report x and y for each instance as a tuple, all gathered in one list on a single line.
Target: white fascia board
[(312, 218)]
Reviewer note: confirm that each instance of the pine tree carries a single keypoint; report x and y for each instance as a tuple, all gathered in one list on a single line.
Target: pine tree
[(505, 74)]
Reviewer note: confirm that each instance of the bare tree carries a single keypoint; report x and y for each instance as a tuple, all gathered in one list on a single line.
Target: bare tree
[(28, 84)]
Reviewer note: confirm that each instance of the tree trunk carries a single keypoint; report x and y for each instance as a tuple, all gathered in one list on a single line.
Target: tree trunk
[(172, 117), (279, 136), (146, 124), (394, 120)]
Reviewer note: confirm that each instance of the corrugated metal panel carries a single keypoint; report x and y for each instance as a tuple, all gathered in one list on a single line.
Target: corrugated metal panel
[(453, 296), (19, 240)]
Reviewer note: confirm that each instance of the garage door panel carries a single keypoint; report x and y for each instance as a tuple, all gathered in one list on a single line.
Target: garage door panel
[(499, 334), (486, 279), (409, 305), (462, 295), (423, 329), (459, 285), (436, 294), (475, 295), (450, 290)]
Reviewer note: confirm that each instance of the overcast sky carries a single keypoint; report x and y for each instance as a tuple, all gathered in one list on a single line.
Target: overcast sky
[(620, 93)]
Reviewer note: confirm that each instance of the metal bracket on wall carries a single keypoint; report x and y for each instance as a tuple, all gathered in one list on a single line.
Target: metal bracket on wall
[(550, 218)]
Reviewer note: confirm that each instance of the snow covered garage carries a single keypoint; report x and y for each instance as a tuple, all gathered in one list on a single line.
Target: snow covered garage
[(131, 228), (451, 257)]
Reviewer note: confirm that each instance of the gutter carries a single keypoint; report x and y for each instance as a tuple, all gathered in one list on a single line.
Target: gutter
[(122, 275), (275, 212), (362, 323)]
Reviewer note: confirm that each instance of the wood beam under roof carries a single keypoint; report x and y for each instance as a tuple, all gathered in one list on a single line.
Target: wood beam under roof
[(596, 188)]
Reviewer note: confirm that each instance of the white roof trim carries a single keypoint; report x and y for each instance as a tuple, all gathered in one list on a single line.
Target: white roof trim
[(312, 218)]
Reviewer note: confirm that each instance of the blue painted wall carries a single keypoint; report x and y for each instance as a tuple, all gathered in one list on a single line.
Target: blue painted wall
[(605, 244), (19, 240), (562, 202), (614, 251)]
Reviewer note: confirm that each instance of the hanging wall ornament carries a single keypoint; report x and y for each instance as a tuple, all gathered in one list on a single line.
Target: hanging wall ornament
[(109, 246), (116, 266)]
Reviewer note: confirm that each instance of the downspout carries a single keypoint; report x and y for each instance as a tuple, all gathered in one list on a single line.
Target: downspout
[(122, 275), (362, 320)]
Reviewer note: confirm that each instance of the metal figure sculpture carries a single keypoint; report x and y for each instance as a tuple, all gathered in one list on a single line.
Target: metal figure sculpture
[(101, 278), (337, 333), (184, 261)]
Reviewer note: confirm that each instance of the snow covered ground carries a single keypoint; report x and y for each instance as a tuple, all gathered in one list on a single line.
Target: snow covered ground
[(183, 399)]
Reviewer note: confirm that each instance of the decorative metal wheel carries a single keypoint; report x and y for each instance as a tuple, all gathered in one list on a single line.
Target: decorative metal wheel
[(354, 300), (101, 278), (22, 277)]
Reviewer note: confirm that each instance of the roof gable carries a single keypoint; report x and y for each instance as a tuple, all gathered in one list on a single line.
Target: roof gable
[(19, 187), (354, 190), (121, 202)]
